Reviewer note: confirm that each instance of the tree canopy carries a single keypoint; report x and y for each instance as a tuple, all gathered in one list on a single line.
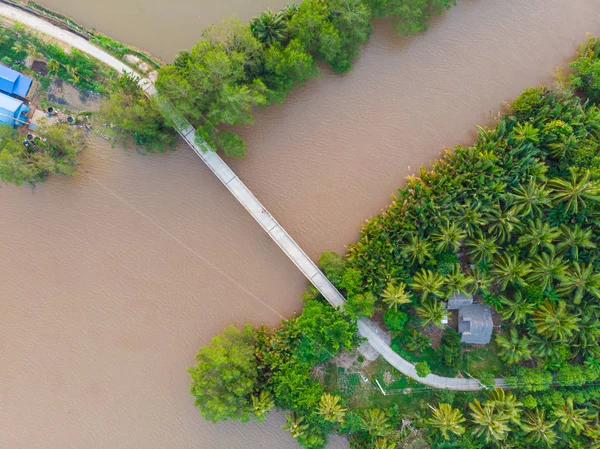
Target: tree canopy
[(224, 376), (54, 153), (236, 67), (132, 117)]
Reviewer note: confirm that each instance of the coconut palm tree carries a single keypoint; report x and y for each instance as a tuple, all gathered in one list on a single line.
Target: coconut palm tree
[(508, 269), (482, 281), (574, 238), (261, 404), (592, 431), (416, 341), (538, 235), (567, 143), (428, 283), (417, 249), (530, 198), (313, 440), (580, 279), (555, 322), (331, 409), (489, 422), (289, 11), (294, 424), (481, 248), (545, 269), (447, 419), (448, 236), (431, 311), (571, 419), (503, 221), (506, 403), (73, 74), (375, 423), (516, 309), (458, 282), (384, 443), (33, 52), (576, 191), (270, 27), (469, 217), (513, 349), (550, 350), (537, 428), (586, 340), (19, 47), (395, 295), (525, 133), (53, 66)]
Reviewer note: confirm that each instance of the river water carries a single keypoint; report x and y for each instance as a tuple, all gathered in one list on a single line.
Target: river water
[(114, 278)]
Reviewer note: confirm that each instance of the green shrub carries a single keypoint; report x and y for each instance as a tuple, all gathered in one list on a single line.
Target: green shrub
[(529, 402), (422, 369), (528, 101), (586, 76), (133, 117), (395, 320), (361, 305), (332, 265), (450, 349), (56, 153)]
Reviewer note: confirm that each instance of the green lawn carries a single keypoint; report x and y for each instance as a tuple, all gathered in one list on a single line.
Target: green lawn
[(483, 360)]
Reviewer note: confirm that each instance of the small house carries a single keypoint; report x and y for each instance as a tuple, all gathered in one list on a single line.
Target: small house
[(475, 324), (474, 320), (14, 83), (13, 112)]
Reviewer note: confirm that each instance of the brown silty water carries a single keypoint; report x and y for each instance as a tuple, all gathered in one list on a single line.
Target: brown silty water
[(111, 280)]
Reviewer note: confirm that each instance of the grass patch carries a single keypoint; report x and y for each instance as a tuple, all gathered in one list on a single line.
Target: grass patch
[(428, 355), (483, 360), (346, 384)]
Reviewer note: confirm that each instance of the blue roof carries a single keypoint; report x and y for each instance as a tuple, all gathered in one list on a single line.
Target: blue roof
[(13, 82), (10, 108)]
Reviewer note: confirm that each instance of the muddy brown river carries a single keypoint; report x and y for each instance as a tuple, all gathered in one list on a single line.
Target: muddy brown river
[(111, 280)]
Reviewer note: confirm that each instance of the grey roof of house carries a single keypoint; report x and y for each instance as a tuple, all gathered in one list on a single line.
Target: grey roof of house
[(475, 324), (457, 300)]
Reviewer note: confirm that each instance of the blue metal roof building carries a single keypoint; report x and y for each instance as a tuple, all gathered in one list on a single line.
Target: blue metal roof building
[(13, 82), (12, 110)]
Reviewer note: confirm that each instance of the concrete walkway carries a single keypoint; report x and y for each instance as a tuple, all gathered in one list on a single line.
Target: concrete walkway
[(239, 190)]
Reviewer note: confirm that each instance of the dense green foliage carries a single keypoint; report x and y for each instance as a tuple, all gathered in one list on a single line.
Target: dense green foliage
[(55, 153), (587, 70), (236, 66), (521, 204), (409, 16), (243, 374), (133, 117), (513, 220), (224, 376)]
